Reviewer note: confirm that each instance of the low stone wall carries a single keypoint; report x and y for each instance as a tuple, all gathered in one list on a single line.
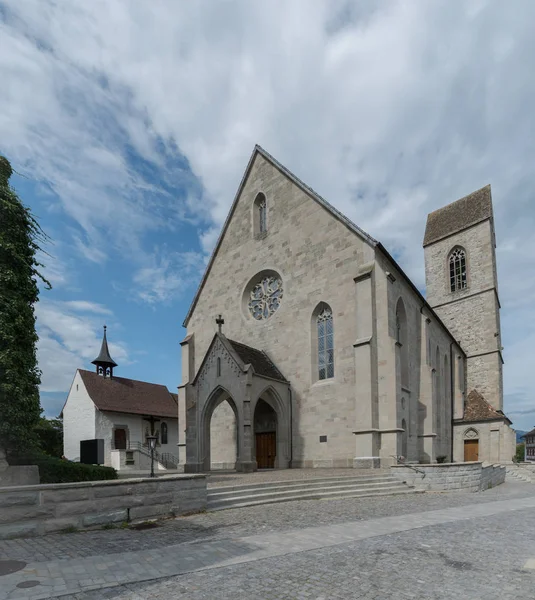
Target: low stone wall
[(466, 476), (491, 476), (39, 509), (19, 475)]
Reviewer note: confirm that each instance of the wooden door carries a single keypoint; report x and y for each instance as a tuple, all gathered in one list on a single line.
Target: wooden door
[(119, 439), (266, 450), (471, 450)]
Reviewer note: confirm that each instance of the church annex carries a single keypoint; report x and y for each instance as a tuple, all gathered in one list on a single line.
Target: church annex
[(308, 346)]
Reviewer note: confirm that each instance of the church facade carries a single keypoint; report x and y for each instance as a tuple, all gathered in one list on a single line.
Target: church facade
[(324, 353)]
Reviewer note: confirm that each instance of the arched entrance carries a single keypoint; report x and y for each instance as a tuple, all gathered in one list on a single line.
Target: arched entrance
[(220, 442), (265, 430), (471, 445)]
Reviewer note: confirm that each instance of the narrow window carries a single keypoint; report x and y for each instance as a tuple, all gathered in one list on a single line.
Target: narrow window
[(260, 214), (218, 366), (325, 343), (164, 433), (458, 270)]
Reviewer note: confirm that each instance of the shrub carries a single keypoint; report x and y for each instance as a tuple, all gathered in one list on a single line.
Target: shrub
[(57, 470), (441, 459)]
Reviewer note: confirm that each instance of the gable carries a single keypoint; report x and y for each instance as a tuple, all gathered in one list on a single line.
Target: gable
[(275, 185)]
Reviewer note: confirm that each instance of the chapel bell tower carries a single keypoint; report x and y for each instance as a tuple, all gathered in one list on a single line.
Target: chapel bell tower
[(462, 287), (104, 362)]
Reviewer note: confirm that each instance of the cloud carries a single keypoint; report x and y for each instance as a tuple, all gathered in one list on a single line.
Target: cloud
[(388, 109), (166, 275), (70, 334)]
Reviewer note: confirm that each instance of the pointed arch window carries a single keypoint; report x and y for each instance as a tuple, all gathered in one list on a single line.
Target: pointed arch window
[(325, 332), (260, 214), (458, 270)]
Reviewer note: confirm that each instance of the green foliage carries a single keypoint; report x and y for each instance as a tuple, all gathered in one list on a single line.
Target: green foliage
[(50, 436), (441, 459), (20, 233), (57, 470), (519, 456)]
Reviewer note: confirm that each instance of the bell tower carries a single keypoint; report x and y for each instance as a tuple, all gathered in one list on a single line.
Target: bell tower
[(104, 362), (462, 287)]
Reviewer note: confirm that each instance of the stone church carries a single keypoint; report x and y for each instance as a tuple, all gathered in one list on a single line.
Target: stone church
[(308, 346)]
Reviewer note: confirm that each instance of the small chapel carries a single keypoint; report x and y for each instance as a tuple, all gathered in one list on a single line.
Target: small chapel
[(308, 346)]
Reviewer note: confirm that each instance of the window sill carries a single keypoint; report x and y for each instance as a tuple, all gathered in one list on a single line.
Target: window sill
[(321, 382)]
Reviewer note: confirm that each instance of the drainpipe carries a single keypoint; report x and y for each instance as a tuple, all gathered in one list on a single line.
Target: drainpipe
[(452, 395), (291, 428)]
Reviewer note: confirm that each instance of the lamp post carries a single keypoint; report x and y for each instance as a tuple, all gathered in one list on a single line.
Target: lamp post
[(151, 440)]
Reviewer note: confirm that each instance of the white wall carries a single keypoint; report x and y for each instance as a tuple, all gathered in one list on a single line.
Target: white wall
[(78, 419), (135, 427)]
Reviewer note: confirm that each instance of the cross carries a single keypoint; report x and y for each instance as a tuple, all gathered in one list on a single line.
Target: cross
[(220, 322)]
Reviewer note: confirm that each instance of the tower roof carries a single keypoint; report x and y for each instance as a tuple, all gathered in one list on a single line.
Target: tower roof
[(104, 357), (458, 215)]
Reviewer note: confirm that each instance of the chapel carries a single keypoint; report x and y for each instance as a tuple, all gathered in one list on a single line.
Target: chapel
[(308, 346)]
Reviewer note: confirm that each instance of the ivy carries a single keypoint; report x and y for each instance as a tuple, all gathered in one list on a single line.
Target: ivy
[(20, 236)]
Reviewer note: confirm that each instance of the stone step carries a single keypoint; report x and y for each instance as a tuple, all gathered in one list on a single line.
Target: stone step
[(301, 482), (325, 495), (217, 496)]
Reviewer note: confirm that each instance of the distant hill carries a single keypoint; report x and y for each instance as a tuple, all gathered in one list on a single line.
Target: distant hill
[(519, 435)]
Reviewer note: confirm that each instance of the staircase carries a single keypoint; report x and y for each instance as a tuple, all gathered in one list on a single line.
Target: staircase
[(518, 473), (168, 461), (237, 496)]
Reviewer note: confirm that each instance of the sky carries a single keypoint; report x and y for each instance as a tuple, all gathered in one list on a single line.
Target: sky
[(130, 124)]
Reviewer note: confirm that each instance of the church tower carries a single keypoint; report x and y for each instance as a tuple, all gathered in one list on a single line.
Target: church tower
[(462, 287), (104, 362)]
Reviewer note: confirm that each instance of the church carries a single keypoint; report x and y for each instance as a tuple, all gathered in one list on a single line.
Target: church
[(308, 346)]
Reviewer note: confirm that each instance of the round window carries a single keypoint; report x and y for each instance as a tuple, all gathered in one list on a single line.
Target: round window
[(264, 296)]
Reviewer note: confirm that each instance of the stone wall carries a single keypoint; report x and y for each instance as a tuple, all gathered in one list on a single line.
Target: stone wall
[(40, 509), (491, 476), (461, 477)]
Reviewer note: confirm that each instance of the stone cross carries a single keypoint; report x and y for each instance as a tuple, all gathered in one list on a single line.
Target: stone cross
[(220, 322)]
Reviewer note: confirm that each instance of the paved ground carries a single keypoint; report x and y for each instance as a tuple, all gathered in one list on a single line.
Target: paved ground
[(435, 546)]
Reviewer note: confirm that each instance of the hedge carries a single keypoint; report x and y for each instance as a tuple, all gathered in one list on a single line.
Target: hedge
[(57, 470)]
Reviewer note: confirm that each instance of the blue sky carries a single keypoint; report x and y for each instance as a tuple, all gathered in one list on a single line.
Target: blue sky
[(132, 123)]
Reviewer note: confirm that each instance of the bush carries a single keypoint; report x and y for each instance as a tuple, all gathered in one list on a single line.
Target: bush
[(519, 456), (57, 470)]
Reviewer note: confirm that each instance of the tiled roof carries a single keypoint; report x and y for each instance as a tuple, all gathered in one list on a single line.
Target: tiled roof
[(258, 359), (458, 215), (119, 394), (532, 432), (478, 409)]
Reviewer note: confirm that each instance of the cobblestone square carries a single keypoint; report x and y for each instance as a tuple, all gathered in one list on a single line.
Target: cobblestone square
[(427, 546)]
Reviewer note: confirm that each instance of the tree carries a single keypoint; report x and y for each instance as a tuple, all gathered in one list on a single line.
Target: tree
[(519, 456), (20, 377), (50, 436)]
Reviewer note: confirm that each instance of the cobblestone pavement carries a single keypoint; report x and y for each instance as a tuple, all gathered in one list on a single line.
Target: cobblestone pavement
[(462, 560), (244, 522), (261, 535)]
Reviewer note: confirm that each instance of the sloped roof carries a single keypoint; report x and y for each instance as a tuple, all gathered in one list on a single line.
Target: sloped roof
[(532, 432), (458, 215), (118, 394), (478, 409), (259, 360), (305, 188)]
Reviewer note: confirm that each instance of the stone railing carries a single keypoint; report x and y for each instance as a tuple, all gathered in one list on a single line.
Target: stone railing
[(39, 509), (468, 477)]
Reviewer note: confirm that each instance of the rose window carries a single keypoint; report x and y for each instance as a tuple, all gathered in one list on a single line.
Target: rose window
[(265, 298)]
